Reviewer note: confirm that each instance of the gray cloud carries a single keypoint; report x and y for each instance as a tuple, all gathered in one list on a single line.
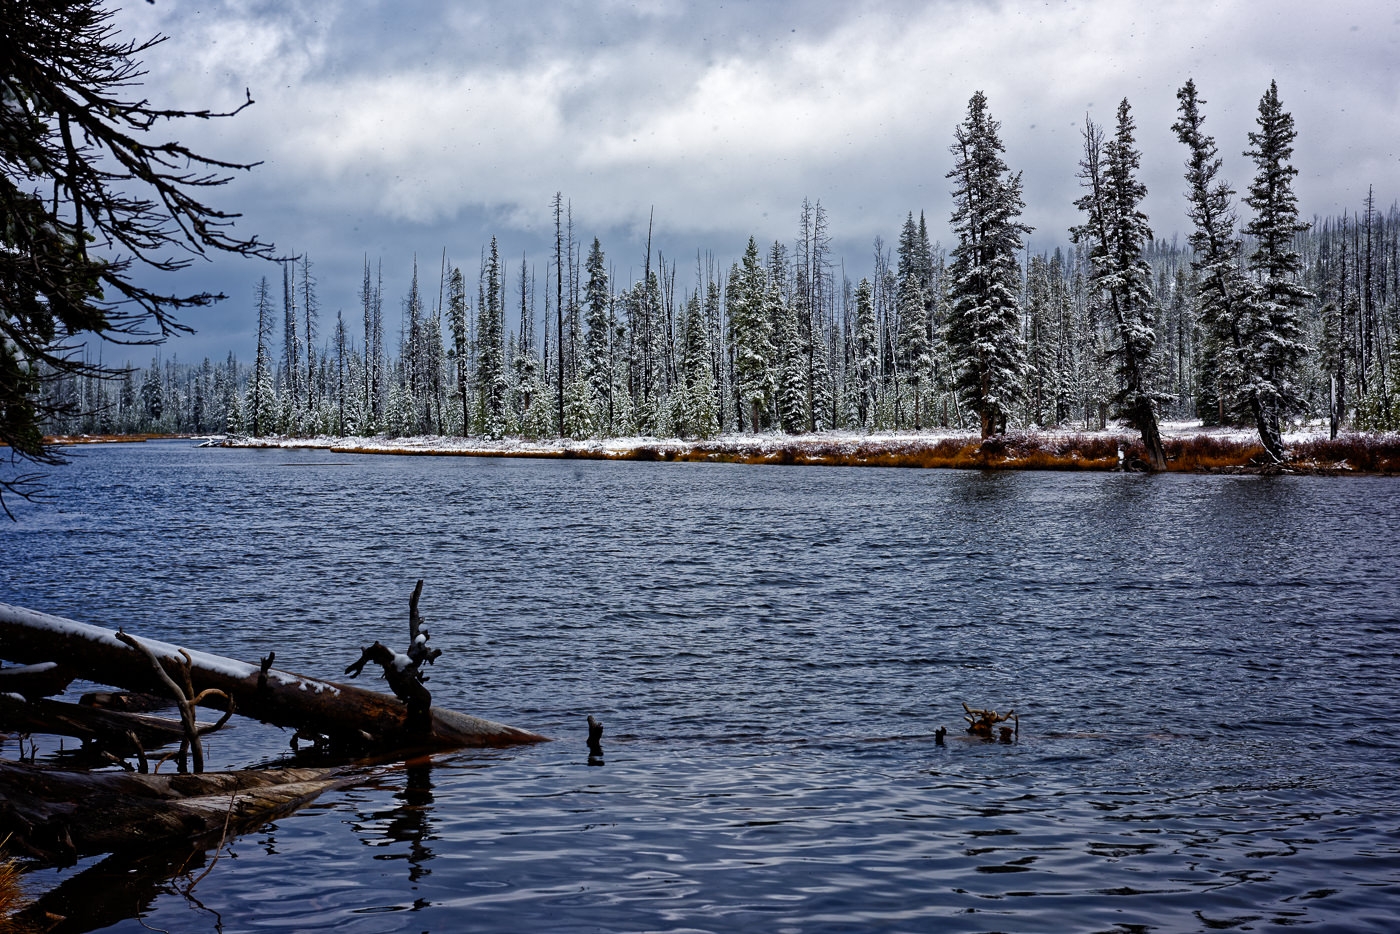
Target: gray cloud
[(389, 128)]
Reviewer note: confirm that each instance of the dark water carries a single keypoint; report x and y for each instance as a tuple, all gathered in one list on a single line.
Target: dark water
[(1207, 671)]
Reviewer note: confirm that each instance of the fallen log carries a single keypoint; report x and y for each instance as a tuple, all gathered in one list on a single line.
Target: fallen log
[(35, 681), (346, 715), (90, 724), (56, 817)]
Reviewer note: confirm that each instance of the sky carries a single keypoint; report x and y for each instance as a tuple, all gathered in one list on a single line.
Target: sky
[(401, 130)]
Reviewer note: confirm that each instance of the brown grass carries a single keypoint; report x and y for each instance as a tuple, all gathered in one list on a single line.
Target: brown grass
[(11, 897), (1202, 453), (105, 439), (1352, 453), (1014, 451)]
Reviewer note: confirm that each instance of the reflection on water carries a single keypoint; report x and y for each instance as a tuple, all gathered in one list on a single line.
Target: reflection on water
[(1203, 670)]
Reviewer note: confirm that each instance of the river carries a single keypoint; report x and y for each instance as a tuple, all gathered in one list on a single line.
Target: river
[(1204, 668)]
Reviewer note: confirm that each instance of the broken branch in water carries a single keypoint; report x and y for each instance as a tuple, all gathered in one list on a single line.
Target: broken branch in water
[(404, 671), (981, 722), (185, 699)]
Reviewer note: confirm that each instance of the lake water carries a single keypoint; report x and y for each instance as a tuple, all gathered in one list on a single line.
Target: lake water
[(1206, 669)]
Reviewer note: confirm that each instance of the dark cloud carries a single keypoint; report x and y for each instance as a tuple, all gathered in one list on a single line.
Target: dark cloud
[(391, 129)]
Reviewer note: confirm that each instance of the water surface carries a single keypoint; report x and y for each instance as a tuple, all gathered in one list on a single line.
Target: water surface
[(1204, 667)]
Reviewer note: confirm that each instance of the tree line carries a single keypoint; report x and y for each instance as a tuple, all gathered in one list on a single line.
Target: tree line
[(1256, 323)]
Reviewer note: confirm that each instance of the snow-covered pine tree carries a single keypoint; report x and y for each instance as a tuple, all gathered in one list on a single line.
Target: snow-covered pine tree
[(461, 349), (597, 349), (702, 413), (1117, 231), (237, 422), (372, 372), (412, 346), (865, 365), (916, 361), (310, 313), (490, 352), (1040, 343), (751, 336), (1228, 303), (983, 329), (580, 410), (1278, 350), (341, 349), (291, 340), (262, 394)]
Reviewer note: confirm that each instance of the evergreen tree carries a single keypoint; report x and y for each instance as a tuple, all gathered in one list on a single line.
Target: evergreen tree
[(1278, 350), (701, 413), (490, 352), (310, 313), (866, 354), (1117, 231), (461, 350), (1229, 305), (751, 336), (597, 347), (916, 361), (1041, 343), (580, 410), (262, 401), (791, 370), (291, 339), (983, 326)]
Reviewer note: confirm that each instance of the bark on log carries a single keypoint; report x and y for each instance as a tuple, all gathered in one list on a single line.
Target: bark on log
[(346, 714), (57, 817), (91, 724)]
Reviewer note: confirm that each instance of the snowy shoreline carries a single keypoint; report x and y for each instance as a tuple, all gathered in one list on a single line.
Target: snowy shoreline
[(1191, 448)]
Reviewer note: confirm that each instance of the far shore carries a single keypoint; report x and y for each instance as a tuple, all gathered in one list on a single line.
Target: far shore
[(1190, 447)]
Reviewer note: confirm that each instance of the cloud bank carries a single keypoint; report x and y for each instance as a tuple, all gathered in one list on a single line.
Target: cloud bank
[(400, 127)]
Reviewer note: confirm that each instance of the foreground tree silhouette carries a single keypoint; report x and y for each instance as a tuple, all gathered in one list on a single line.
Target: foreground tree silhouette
[(90, 196)]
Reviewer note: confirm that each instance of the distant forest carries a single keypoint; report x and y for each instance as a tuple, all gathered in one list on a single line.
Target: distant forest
[(784, 340)]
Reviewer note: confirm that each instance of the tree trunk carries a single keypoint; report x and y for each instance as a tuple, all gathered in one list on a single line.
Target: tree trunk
[(343, 713)]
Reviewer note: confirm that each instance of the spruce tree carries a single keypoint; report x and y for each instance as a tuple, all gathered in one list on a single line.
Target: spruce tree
[(262, 394), (983, 327), (751, 336), (457, 315), (490, 352), (598, 300), (1117, 232), (1228, 303), (1278, 350), (866, 356)]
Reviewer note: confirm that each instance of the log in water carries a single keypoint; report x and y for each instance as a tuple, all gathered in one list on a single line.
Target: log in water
[(310, 705)]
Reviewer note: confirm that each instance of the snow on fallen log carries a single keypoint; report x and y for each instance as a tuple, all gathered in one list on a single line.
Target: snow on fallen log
[(344, 714)]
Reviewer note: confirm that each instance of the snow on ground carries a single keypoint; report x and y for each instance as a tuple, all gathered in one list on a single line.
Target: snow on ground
[(770, 443)]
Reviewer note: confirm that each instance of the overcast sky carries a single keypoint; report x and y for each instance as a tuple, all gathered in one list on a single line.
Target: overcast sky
[(402, 128)]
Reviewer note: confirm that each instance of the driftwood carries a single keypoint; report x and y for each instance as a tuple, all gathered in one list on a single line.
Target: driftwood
[(981, 722), (185, 698), (346, 715), (404, 672), (118, 730), (56, 817), (35, 681)]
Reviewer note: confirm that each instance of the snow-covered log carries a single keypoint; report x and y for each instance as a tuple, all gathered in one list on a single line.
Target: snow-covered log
[(343, 713)]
